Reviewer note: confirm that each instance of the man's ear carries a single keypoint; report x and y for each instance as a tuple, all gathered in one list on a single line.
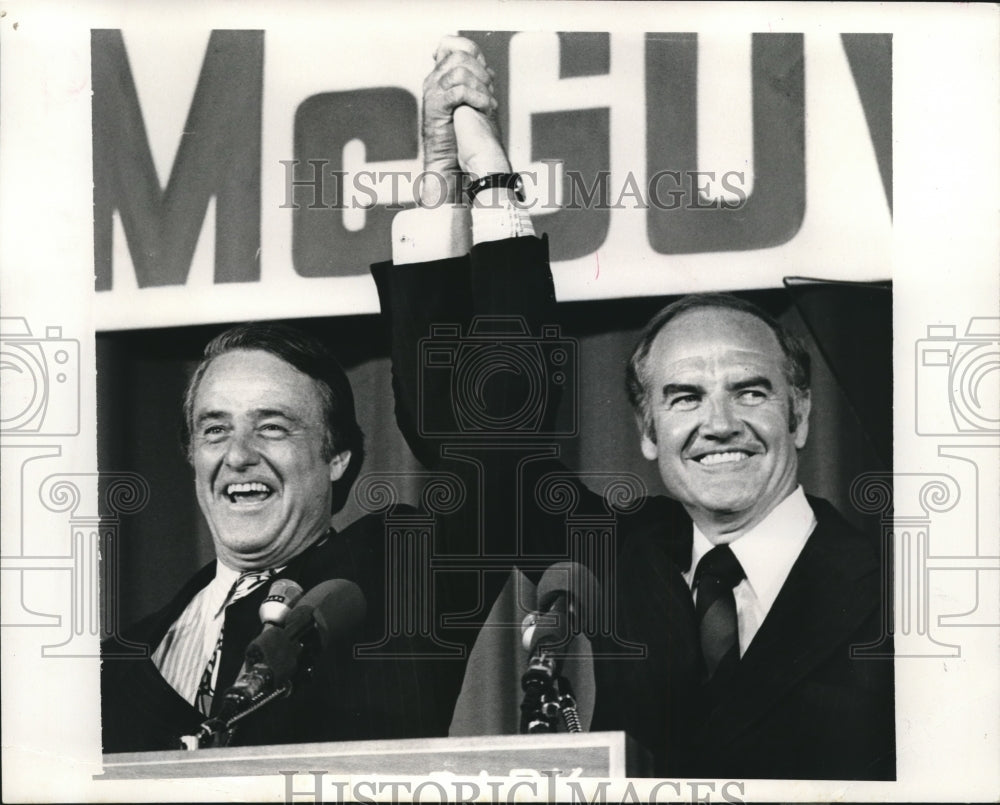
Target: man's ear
[(647, 440), (801, 405), (339, 464)]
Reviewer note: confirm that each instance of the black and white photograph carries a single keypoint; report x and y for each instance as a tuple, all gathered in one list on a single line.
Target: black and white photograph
[(524, 401)]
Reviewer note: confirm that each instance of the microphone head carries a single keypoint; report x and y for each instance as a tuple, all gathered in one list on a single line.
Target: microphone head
[(528, 626), (568, 596), (572, 580), (283, 595), (340, 612), (334, 607)]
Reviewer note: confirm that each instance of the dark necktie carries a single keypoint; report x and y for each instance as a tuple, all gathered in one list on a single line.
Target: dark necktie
[(244, 585), (718, 572)]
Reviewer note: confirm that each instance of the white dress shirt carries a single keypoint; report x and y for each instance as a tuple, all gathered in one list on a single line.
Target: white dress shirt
[(767, 553), (190, 642)]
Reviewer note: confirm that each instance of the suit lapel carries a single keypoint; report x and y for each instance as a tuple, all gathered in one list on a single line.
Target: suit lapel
[(819, 607), (151, 629), (163, 709)]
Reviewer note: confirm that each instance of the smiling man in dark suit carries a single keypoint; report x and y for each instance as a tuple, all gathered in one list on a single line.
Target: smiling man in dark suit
[(271, 433), (740, 575), (783, 587)]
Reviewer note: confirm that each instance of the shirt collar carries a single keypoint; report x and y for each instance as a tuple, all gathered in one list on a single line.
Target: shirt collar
[(768, 550), (217, 591)]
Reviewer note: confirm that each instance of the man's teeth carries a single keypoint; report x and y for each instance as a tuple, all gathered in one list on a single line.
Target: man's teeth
[(253, 490), (722, 458)]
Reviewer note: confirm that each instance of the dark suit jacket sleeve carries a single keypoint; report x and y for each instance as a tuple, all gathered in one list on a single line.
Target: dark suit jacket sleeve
[(498, 278)]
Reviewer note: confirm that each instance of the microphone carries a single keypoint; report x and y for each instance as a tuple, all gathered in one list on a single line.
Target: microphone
[(329, 611), (283, 595), (567, 595)]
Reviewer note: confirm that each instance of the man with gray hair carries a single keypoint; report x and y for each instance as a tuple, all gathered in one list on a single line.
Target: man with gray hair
[(765, 589)]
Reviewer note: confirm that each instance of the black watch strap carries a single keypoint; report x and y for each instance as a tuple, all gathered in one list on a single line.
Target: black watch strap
[(511, 181)]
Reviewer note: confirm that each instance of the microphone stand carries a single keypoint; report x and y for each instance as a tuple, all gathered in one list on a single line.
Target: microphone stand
[(216, 732), (548, 696), (538, 686)]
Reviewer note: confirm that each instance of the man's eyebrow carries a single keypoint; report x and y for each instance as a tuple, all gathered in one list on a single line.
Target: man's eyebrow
[(670, 389), (758, 381), (266, 413), (204, 416)]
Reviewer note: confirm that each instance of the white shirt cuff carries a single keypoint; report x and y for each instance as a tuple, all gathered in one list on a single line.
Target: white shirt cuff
[(499, 218), (422, 234)]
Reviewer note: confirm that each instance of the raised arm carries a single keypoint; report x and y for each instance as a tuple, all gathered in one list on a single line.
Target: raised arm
[(436, 284)]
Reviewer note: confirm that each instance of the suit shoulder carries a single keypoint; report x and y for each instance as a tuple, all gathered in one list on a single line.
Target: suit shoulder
[(842, 543), (363, 543), (658, 526), (375, 522)]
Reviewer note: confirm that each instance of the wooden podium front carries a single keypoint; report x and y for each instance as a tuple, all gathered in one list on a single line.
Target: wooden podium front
[(588, 754)]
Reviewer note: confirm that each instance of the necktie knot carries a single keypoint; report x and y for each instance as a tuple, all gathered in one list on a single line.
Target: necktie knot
[(721, 565), (248, 581)]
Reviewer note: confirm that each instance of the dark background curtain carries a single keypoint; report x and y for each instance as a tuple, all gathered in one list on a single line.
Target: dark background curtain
[(142, 374)]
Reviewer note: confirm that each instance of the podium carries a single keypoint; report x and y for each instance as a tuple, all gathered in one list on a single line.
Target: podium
[(587, 754)]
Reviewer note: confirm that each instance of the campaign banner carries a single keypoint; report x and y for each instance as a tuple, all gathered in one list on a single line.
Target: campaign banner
[(259, 179)]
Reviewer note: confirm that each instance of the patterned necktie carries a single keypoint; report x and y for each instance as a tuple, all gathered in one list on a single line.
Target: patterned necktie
[(718, 572), (244, 585)]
